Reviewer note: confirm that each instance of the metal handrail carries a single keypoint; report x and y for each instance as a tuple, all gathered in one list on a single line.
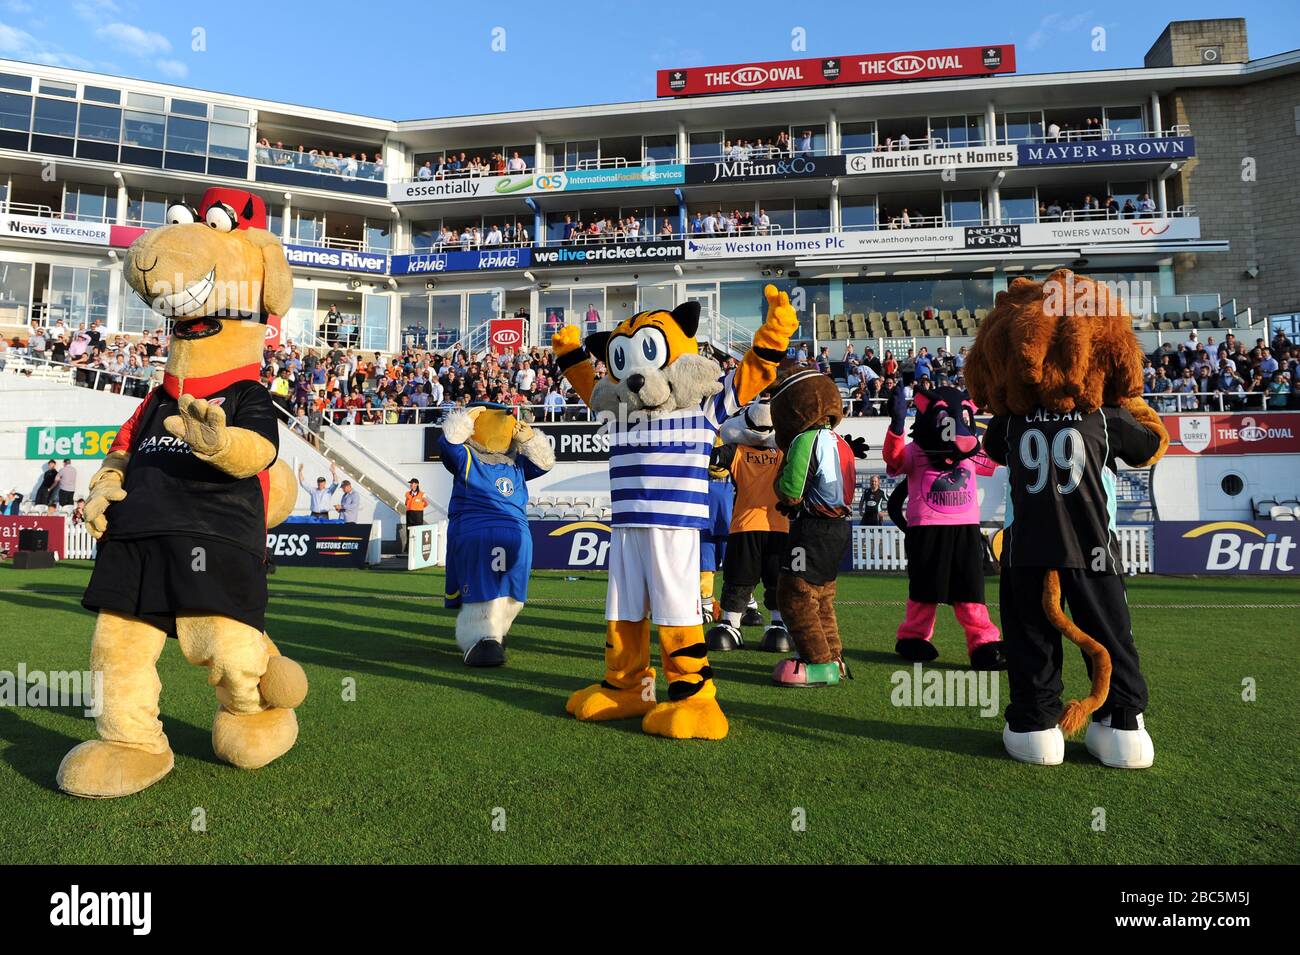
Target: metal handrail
[(341, 166)]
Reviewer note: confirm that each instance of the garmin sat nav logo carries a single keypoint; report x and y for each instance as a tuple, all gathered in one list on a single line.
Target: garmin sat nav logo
[(1226, 547)]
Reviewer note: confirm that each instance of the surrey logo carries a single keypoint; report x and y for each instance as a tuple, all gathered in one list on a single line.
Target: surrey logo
[(992, 57), (831, 69), (677, 80)]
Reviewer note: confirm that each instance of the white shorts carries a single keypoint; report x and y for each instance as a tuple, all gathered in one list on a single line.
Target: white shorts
[(654, 572)]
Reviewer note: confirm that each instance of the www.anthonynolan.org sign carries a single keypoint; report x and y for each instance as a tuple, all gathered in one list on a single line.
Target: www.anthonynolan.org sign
[(927, 160)]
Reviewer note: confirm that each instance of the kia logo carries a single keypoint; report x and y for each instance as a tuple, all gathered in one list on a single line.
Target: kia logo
[(506, 336), (749, 76), (906, 65)]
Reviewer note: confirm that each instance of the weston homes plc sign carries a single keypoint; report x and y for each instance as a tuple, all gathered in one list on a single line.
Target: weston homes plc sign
[(838, 70)]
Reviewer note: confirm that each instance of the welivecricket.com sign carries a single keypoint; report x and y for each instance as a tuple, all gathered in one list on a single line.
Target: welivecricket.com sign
[(1226, 547)]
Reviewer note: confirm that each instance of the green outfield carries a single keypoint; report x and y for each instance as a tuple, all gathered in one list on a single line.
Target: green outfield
[(433, 762)]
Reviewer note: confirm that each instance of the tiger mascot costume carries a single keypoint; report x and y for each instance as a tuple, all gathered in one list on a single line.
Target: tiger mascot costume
[(663, 403)]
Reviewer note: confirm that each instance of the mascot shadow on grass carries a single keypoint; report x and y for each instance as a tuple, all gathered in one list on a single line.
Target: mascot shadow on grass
[(182, 504)]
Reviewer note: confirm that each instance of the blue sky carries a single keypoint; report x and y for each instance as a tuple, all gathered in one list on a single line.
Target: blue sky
[(412, 60)]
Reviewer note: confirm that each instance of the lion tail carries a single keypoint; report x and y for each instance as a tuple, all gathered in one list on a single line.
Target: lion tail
[(1077, 712)]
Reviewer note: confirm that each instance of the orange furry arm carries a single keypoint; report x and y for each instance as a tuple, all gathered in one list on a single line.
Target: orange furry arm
[(575, 364), (758, 368), (1146, 416)]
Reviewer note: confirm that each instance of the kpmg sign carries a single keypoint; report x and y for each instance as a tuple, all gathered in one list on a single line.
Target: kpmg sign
[(340, 260), (432, 263), (1106, 150), (1226, 547), (757, 170)]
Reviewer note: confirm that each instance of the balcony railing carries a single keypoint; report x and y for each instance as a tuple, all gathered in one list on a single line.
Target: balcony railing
[(344, 167)]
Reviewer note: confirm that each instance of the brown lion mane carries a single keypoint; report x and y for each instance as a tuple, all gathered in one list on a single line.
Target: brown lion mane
[(1063, 344)]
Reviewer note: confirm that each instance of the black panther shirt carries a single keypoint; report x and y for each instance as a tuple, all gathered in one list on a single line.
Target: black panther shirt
[(170, 491), (1060, 509)]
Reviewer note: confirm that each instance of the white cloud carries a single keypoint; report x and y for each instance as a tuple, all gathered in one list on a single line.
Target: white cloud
[(95, 10), (173, 69), (18, 44), (133, 40), (1054, 24), (19, 7)]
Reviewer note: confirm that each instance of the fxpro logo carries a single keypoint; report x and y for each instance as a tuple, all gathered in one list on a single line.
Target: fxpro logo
[(1232, 549), (588, 543)]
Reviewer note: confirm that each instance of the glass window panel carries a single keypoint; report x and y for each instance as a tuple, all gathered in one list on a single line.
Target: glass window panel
[(1124, 121), (706, 147), (963, 208), (444, 324), (187, 107), (230, 114), (378, 237), (857, 137), (228, 142), (187, 136), (102, 94), (147, 130), (858, 212), (15, 111), (102, 123), (300, 323), (16, 290), (59, 89), (661, 148), (1019, 205), (146, 101), (374, 328), (55, 118), (11, 82), (813, 215)]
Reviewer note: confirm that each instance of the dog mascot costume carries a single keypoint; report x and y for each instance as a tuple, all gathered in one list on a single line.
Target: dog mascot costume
[(757, 537), (664, 402), (815, 488), (491, 456), (1060, 368), (945, 548), (182, 504)]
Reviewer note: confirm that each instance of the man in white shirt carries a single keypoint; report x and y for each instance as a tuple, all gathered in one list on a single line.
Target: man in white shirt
[(764, 222), (516, 164), (710, 225), (904, 142), (525, 376), (1053, 132), (493, 236)]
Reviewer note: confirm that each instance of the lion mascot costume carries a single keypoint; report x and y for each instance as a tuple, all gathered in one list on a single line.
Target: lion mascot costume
[(491, 456), (182, 504), (663, 403), (814, 488), (1059, 366), (945, 546)]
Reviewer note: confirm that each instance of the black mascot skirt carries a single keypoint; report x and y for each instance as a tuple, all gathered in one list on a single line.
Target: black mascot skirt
[(156, 578), (945, 563), (815, 548)]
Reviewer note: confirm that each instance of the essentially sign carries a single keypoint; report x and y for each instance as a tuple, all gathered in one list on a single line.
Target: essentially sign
[(1106, 150), (523, 184), (75, 441), (646, 252), (838, 70), (912, 160), (757, 170), (1274, 433), (505, 335), (323, 544), (579, 441), (1226, 547), (570, 545), (423, 263), (11, 524), (343, 260)]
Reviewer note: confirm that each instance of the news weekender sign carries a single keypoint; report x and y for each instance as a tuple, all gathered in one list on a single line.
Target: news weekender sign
[(56, 230), (1275, 433), (646, 252), (758, 170), (1106, 150), (523, 184), (318, 544), (60, 441), (338, 260), (579, 441), (1226, 547), (838, 70), (433, 263)]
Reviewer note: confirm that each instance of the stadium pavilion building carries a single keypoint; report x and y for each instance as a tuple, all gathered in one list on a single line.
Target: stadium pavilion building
[(897, 207)]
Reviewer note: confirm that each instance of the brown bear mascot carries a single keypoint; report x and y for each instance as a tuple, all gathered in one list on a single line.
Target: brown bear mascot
[(182, 503), (1059, 366)]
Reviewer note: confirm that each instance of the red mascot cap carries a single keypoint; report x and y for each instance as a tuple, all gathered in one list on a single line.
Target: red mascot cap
[(248, 210)]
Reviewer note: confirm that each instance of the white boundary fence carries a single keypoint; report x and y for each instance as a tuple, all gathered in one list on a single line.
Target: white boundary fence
[(881, 548)]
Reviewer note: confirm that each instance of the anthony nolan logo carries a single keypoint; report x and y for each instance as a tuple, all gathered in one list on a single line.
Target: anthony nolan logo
[(1237, 548)]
